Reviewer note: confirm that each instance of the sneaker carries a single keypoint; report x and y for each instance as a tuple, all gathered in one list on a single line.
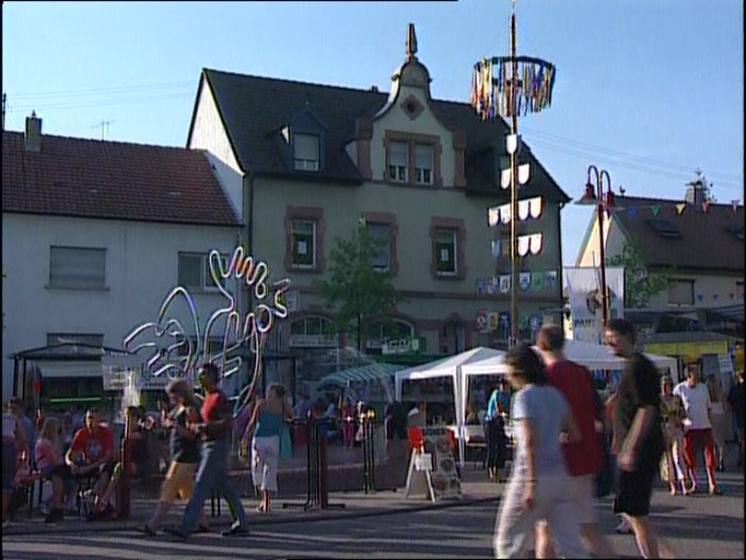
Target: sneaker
[(176, 532), (236, 530), (624, 529)]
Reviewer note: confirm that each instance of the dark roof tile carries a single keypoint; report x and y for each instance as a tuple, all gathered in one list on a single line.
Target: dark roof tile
[(707, 240), (116, 180)]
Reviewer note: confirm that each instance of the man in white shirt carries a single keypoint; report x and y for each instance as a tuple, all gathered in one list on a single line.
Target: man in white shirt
[(697, 426)]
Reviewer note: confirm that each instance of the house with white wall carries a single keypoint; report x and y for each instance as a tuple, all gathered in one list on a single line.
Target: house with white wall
[(95, 235)]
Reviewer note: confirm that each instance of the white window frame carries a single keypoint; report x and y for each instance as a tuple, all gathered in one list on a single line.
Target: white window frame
[(439, 272), (398, 169), (306, 164), (417, 170), (294, 264), (61, 283), (205, 277), (306, 340), (678, 281)]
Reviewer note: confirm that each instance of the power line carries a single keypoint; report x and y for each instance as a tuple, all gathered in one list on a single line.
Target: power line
[(584, 155), (611, 151), (103, 103), (94, 91)]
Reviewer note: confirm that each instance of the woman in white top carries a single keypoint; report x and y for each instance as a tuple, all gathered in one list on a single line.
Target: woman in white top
[(718, 419)]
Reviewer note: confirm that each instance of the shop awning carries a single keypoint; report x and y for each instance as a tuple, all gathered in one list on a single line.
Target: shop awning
[(368, 372)]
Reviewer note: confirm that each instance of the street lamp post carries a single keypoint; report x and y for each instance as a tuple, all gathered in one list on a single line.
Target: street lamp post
[(603, 199)]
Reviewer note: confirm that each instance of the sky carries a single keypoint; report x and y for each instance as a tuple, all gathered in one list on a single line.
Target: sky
[(649, 90)]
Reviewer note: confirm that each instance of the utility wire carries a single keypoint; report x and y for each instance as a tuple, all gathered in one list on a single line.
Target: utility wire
[(626, 155)]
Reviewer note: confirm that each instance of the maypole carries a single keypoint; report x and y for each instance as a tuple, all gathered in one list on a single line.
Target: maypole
[(529, 89)]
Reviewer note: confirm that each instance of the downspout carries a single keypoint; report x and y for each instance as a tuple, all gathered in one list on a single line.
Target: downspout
[(248, 240)]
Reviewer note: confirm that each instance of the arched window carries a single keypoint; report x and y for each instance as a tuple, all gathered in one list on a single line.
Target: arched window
[(383, 332), (312, 332)]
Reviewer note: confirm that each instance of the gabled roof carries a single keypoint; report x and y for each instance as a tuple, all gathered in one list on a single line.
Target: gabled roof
[(253, 107), (707, 241), (114, 180)]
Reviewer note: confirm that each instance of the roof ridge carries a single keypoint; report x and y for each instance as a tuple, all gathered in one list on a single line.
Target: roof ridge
[(94, 140), (317, 84), (620, 198)]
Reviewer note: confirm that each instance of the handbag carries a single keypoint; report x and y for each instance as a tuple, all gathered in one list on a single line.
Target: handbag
[(286, 444)]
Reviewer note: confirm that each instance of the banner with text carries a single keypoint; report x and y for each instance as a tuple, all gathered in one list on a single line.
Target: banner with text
[(583, 286)]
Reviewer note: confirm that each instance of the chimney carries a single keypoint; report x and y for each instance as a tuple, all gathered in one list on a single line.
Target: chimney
[(33, 133), (697, 191)]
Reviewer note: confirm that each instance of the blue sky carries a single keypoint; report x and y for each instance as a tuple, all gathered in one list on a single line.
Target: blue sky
[(648, 89)]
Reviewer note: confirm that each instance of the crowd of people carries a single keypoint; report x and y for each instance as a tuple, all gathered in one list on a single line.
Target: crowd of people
[(566, 437), (563, 431)]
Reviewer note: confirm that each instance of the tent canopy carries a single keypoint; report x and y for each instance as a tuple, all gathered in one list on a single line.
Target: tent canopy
[(445, 367), (369, 372), (487, 361)]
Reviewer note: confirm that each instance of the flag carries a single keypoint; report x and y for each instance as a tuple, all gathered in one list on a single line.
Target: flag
[(537, 282), (524, 281), (706, 206), (680, 207), (655, 209), (734, 204), (632, 211)]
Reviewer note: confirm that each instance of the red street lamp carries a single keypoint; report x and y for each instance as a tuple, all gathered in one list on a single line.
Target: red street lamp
[(604, 201)]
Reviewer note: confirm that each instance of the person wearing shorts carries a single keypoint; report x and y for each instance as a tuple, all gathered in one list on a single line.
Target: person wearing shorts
[(92, 454), (179, 480), (637, 426), (697, 427)]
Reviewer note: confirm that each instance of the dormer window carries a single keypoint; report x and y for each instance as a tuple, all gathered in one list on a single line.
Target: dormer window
[(423, 164), (306, 152), (398, 161)]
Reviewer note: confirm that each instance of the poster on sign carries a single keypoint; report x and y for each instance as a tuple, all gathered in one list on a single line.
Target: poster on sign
[(445, 479), (583, 286)]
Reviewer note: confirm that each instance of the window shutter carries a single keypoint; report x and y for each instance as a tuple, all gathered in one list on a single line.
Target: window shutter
[(398, 154), (306, 147), (77, 267)]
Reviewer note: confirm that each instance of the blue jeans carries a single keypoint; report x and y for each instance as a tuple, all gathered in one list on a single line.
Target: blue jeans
[(212, 476)]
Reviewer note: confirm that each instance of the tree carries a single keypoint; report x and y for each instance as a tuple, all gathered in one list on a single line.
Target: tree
[(639, 285), (358, 294)]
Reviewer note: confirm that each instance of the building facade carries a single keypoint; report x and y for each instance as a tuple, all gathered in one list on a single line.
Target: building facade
[(95, 235), (697, 245), (303, 163)]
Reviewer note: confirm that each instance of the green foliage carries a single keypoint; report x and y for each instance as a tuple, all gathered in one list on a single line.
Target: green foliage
[(639, 285), (358, 294)]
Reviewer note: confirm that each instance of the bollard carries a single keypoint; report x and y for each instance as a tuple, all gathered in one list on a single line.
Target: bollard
[(123, 486)]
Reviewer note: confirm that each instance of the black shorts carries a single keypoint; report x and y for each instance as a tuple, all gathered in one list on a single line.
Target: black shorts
[(634, 490)]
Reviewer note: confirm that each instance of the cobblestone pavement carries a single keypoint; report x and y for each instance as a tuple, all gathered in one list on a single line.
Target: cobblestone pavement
[(383, 526)]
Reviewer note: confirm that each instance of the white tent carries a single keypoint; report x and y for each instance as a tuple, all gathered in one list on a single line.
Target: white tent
[(449, 367), (486, 361)]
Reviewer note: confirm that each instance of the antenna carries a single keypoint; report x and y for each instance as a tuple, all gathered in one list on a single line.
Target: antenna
[(104, 125), (5, 101)]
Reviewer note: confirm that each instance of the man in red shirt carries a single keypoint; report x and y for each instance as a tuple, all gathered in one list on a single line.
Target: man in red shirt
[(92, 453), (583, 458)]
